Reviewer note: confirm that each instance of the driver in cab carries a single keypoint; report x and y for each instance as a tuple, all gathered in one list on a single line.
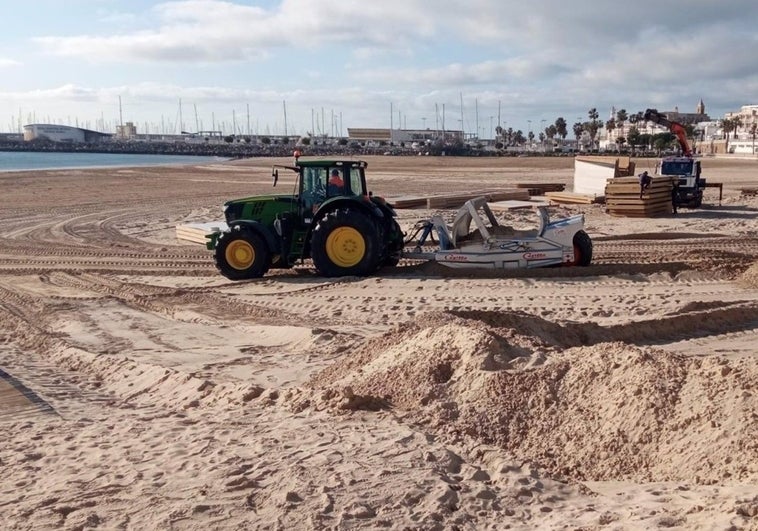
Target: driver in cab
[(336, 184)]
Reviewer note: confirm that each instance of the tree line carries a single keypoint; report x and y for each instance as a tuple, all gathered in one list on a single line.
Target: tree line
[(634, 138)]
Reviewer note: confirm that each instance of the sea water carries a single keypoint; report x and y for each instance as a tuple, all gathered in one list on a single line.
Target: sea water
[(35, 160)]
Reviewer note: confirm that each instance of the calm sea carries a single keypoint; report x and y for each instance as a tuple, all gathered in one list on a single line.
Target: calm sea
[(28, 160)]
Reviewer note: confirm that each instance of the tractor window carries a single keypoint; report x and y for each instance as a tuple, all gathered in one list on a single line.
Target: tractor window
[(314, 187), (356, 184)]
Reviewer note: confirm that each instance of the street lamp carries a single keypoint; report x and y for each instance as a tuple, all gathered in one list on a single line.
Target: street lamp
[(542, 130)]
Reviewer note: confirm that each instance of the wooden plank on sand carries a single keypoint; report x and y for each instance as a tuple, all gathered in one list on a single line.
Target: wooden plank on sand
[(456, 200), (407, 201)]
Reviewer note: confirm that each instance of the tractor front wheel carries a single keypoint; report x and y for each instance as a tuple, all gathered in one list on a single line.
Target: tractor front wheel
[(242, 254), (345, 242), (582, 250)]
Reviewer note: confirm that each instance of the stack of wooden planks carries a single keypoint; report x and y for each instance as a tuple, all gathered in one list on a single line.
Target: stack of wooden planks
[(541, 188), (622, 197), (571, 198), (196, 232)]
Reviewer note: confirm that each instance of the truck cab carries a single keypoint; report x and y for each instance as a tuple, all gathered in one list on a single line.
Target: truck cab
[(690, 185)]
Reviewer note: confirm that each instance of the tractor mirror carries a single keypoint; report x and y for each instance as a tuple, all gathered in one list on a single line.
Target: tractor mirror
[(275, 175)]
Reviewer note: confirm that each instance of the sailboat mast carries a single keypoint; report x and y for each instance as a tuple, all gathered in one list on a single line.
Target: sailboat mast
[(284, 103)]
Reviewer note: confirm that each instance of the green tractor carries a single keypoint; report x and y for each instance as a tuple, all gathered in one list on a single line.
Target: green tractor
[(331, 218)]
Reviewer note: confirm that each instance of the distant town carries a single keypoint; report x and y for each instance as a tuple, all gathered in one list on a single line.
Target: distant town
[(620, 132)]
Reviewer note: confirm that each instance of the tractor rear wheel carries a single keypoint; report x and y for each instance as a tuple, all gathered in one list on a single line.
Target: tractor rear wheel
[(345, 242), (582, 250), (242, 254)]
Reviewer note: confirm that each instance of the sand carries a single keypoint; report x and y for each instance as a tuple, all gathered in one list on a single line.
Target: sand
[(142, 390)]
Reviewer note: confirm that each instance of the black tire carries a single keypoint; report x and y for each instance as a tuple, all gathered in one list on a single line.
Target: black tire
[(241, 254), (346, 242), (582, 250)]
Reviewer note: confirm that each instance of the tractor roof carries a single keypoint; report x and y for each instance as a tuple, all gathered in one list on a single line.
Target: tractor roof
[(320, 163)]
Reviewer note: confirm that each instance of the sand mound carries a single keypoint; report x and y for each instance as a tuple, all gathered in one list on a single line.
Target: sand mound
[(750, 277), (605, 411)]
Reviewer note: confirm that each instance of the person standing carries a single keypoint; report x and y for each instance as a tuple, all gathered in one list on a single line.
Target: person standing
[(645, 181), (674, 194)]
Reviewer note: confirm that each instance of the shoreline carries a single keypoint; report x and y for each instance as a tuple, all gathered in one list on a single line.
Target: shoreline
[(141, 160)]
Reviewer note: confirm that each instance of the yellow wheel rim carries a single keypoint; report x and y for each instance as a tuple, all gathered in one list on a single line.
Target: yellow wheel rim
[(345, 247), (240, 254)]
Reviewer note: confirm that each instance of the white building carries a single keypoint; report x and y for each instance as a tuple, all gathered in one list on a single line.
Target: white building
[(61, 133)]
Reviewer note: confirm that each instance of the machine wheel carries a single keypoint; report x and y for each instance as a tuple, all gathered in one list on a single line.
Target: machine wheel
[(242, 254), (345, 242), (582, 250)]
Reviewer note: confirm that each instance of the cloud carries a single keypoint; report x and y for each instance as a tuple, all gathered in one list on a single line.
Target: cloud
[(218, 31), (7, 63), (547, 59)]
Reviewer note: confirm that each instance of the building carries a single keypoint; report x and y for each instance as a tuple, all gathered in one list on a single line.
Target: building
[(126, 131), (62, 133), (688, 118), (748, 117), (399, 136)]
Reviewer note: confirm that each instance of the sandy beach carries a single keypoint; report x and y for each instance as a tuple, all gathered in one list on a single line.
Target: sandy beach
[(140, 389)]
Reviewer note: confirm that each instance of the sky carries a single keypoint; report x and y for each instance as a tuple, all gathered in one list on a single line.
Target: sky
[(321, 66)]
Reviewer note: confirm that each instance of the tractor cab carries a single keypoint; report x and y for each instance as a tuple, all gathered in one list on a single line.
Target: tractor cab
[(323, 181)]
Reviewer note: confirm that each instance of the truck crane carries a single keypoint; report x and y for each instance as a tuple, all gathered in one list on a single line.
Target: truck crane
[(684, 167)]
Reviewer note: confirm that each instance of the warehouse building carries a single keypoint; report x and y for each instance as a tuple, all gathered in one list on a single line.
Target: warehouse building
[(62, 133)]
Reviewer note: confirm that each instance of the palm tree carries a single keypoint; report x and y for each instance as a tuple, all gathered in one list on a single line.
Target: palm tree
[(621, 118), (728, 125), (633, 137), (610, 125), (561, 127), (593, 125), (578, 130)]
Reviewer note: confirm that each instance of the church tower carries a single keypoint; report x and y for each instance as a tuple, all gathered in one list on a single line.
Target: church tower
[(700, 107)]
